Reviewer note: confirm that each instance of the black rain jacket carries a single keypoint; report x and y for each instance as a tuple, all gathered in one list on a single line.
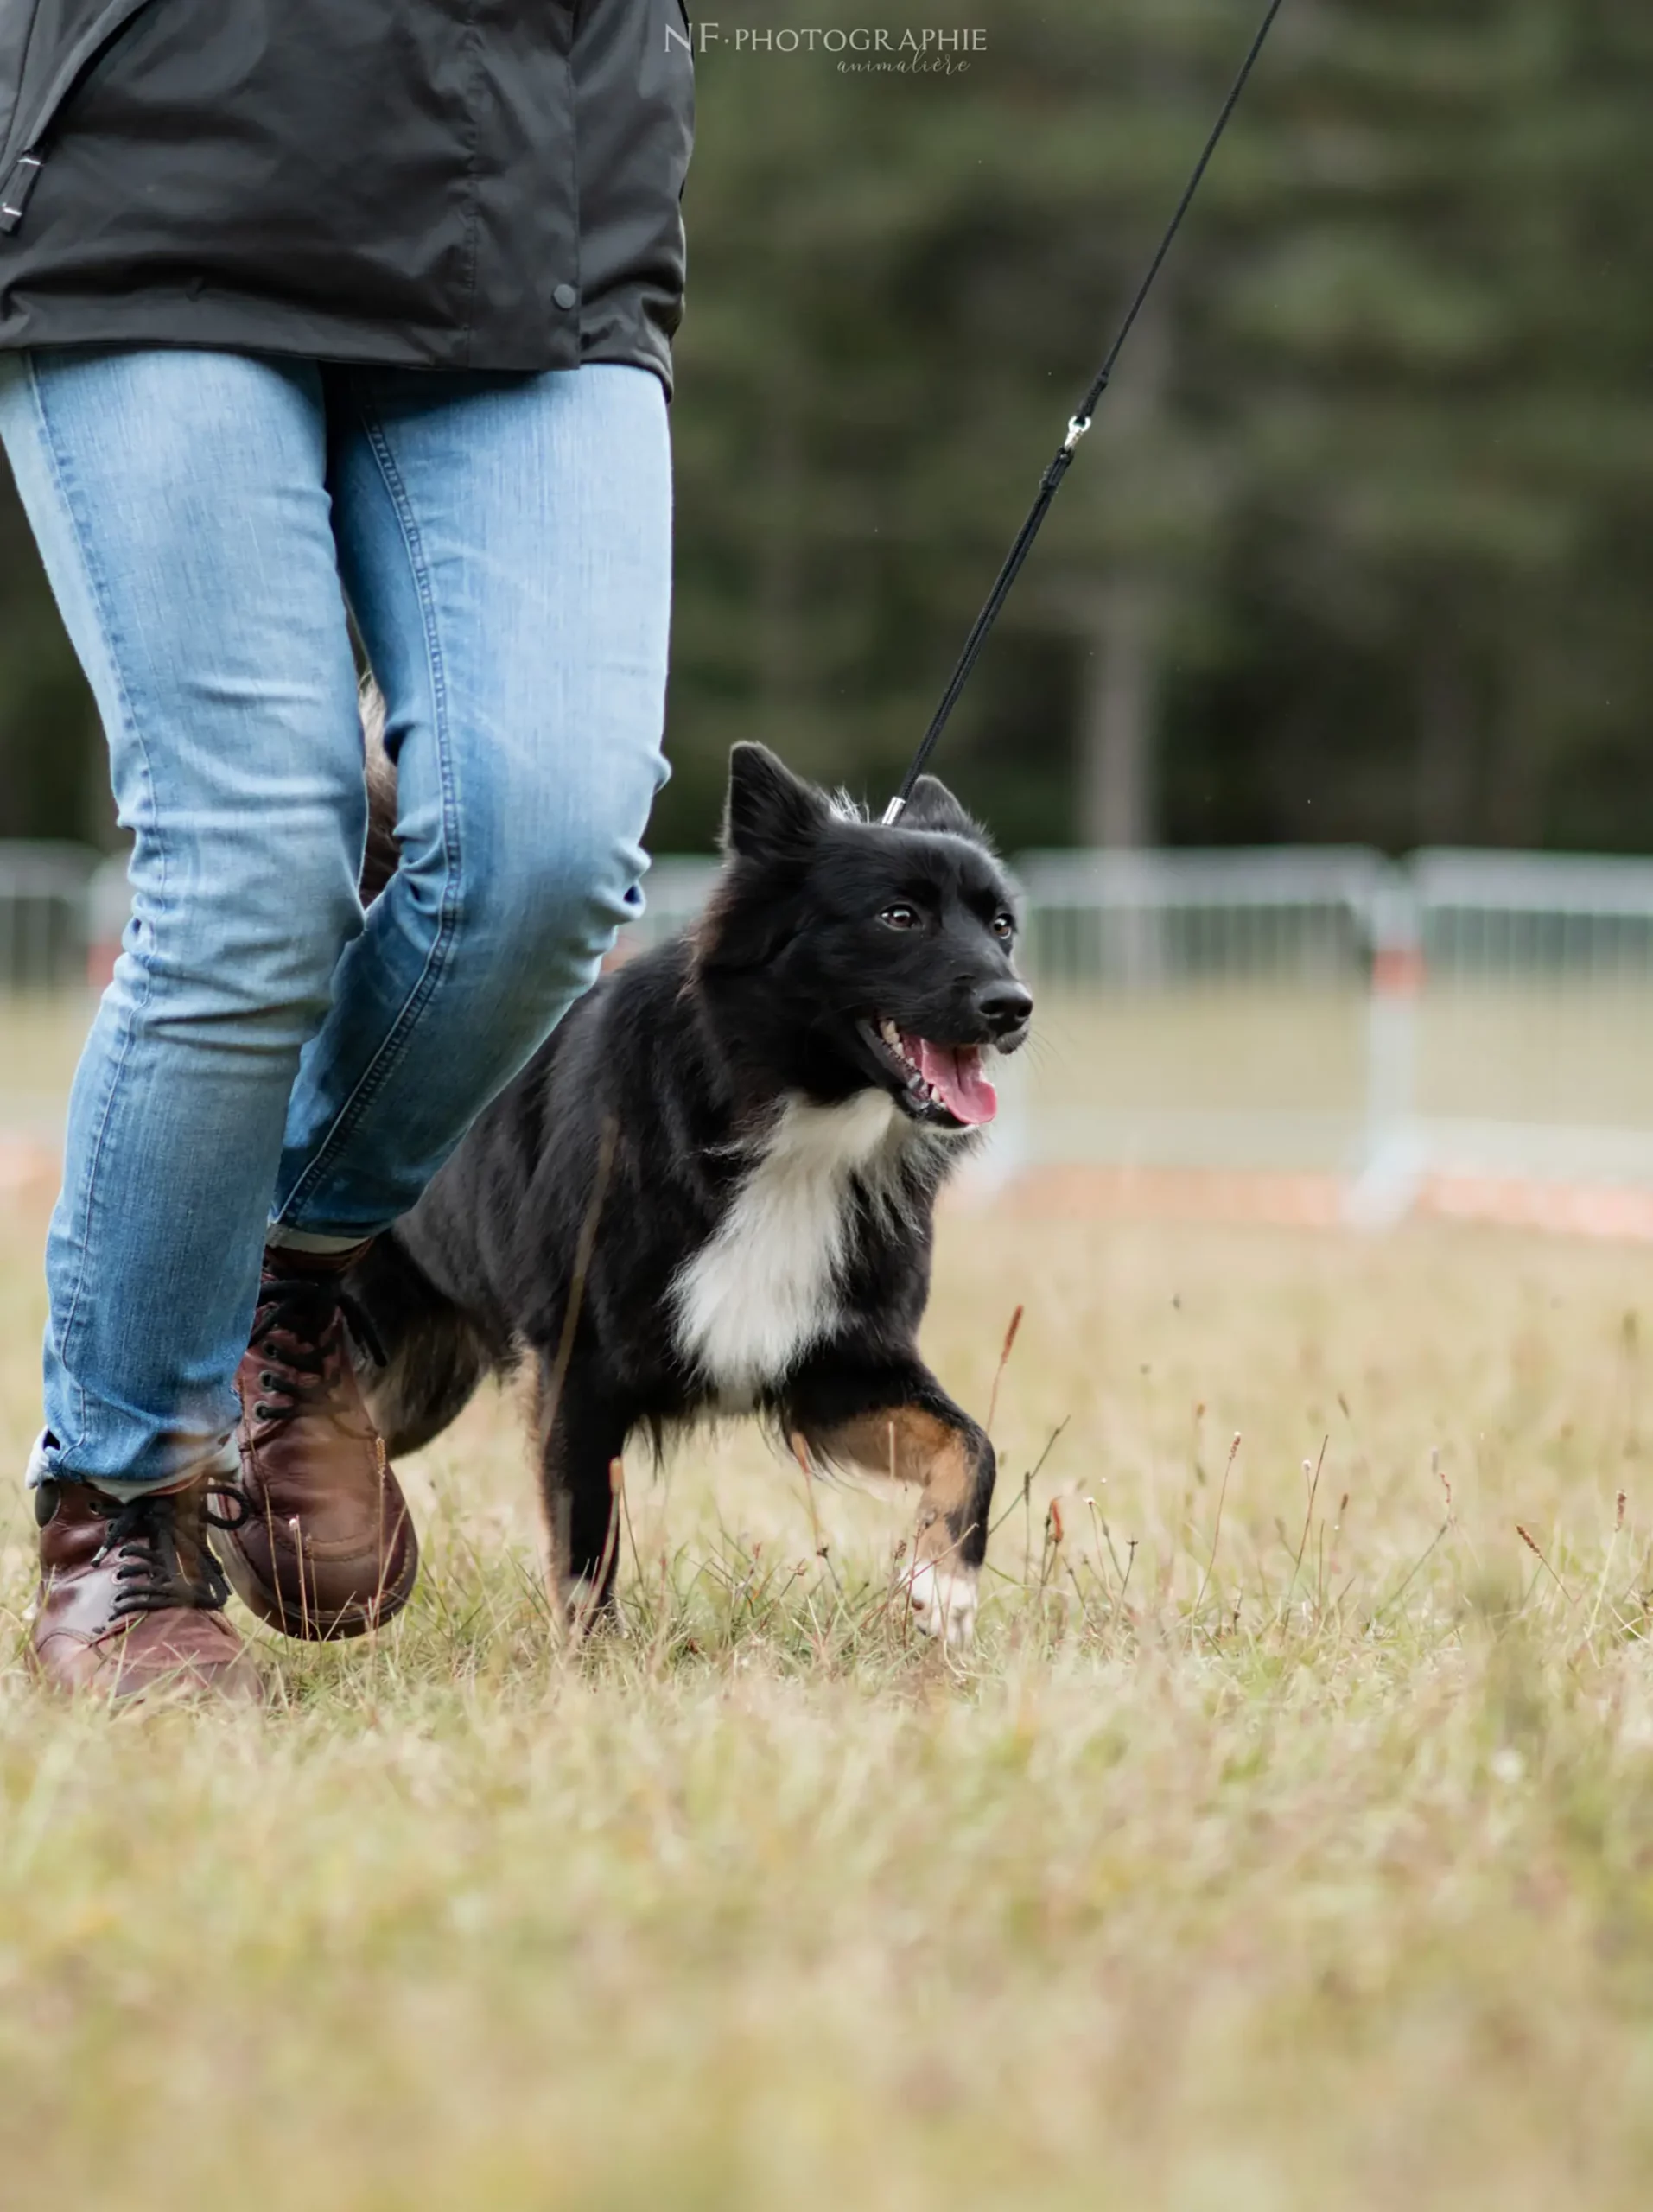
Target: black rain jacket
[(455, 184)]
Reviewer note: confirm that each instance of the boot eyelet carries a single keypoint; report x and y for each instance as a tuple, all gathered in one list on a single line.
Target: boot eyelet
[(260, 1411), (266, 1380)]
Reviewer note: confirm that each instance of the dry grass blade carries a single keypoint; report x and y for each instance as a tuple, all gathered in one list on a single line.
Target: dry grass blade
[(1217, 1532), (1009, 1346)]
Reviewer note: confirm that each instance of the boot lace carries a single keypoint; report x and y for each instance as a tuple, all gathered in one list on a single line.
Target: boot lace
[(311, 1316), (144, 1534)]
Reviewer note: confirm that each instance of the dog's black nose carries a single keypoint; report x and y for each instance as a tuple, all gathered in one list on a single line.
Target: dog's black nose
[(1005, 1006)]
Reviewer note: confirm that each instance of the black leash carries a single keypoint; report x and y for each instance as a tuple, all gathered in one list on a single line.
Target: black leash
[(1079, 423)]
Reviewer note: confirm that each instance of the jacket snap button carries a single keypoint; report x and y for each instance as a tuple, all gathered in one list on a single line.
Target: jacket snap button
[(565, 295)]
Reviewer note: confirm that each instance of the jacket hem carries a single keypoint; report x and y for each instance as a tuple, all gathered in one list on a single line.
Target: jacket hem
[(153, 319)]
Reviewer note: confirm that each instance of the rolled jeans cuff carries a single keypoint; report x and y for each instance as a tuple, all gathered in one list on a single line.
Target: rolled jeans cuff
[(221, 1464)]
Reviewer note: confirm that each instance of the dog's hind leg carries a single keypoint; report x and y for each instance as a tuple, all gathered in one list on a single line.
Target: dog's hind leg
[(897, 1420), (581, 1436)]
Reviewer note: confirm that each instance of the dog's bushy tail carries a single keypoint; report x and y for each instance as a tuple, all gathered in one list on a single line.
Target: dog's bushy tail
[(433, 1359), (378, 863)]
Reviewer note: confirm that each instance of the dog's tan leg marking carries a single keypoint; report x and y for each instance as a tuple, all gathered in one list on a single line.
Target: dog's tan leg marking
[(911, 1446)]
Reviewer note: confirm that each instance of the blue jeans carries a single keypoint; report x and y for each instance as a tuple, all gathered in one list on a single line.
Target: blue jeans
[(266, 1053)]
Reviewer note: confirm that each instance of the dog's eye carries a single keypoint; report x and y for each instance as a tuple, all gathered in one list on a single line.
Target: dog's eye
[(1003, 927), (899, 917)]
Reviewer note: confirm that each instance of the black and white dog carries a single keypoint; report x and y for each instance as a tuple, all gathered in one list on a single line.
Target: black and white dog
[(713, 1190)]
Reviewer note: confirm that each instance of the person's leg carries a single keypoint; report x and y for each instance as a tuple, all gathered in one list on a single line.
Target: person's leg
[(180, 505), (506, 544)]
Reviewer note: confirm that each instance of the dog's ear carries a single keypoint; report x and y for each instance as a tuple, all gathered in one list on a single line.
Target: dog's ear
[(770, 809), (932, 806)]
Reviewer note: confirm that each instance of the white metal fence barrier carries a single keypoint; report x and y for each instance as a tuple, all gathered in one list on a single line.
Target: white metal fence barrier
[(45, 918), (1201, 1010), (1534, 1018), (1461, 1014), (1313, 1010)]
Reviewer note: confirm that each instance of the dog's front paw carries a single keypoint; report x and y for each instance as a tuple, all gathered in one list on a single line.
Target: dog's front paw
[(943, 1599)]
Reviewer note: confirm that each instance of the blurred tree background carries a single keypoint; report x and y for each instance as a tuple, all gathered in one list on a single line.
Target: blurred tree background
[(1360, 546)]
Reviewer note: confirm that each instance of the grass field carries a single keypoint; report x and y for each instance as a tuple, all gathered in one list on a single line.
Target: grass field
[(1282, 1843)]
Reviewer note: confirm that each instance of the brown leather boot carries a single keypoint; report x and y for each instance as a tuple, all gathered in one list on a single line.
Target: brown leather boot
[(131, 1598), (327, 1547)]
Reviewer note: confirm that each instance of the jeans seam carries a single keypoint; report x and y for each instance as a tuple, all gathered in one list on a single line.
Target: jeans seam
[(62, 478), (384, 1061)]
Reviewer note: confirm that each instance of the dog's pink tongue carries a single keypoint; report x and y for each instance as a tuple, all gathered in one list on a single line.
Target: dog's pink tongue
[(956, 1078)]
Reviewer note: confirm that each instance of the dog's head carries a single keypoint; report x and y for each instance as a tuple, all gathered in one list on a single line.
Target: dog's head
[(842, 957)]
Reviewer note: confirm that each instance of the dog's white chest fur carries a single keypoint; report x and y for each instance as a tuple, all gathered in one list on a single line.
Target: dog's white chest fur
[(767, 1286)]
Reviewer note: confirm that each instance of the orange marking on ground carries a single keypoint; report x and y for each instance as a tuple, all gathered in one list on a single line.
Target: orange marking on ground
[(1318, 1201)]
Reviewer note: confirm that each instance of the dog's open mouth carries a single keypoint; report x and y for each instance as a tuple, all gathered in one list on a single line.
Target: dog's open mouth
[(940, 1083)]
